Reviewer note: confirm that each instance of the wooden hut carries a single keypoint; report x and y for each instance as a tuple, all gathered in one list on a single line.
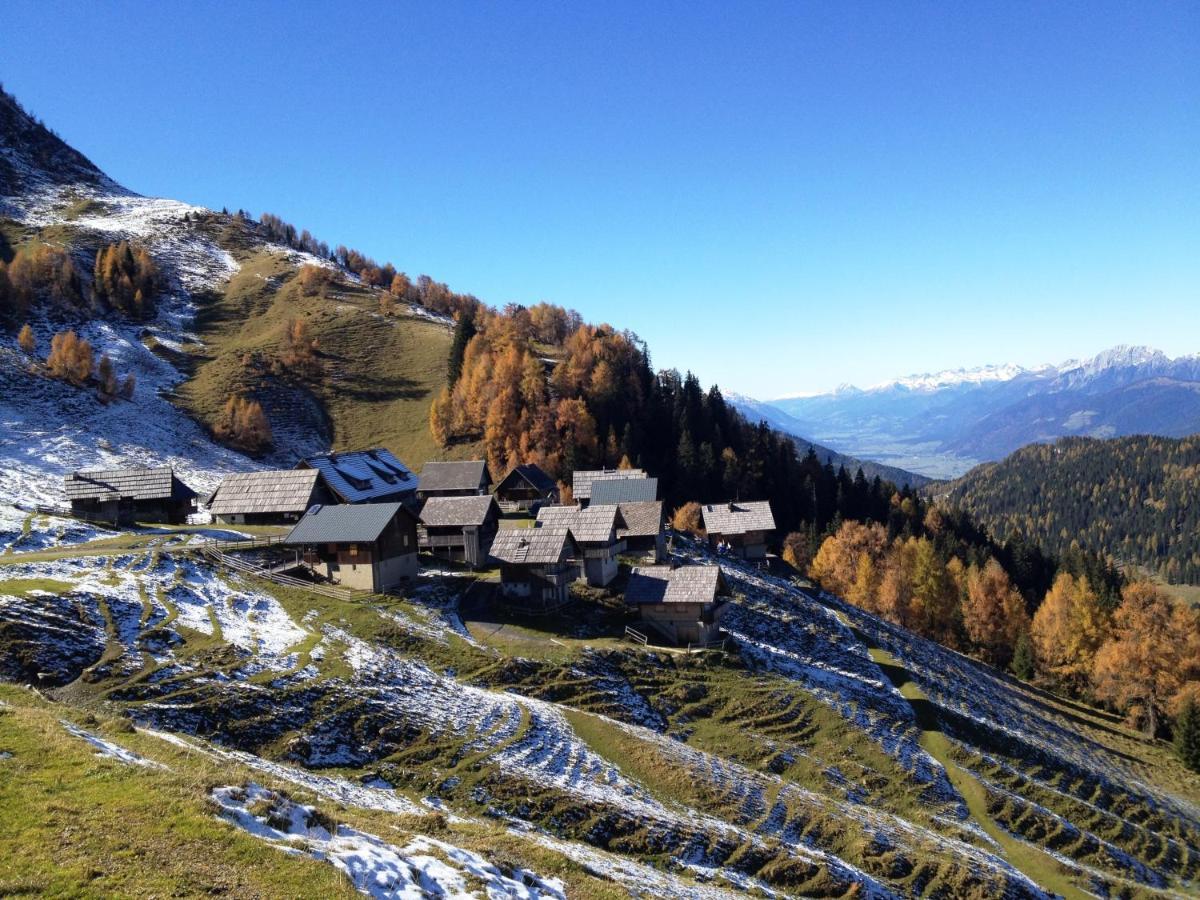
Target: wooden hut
[(364, 476), (683, 604), (369, 546), (741, 527), (460, 529), (454, 479), (643, 534), (526, 488), (595, 529), (272, 497), (583, 479), (536, 566), (123, 496)]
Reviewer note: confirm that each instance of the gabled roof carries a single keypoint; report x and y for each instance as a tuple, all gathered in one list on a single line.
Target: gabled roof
[(457, 511), (272, 491), (344, 523), (361, 476), (583, 479), (532, 546), (533, 475), (454, 476), (622, 490), (662, 584), (129, 484), (593, 525), (738, 517), (643, 518)]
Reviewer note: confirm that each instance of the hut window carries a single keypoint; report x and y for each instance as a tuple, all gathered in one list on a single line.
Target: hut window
[(354, 549)]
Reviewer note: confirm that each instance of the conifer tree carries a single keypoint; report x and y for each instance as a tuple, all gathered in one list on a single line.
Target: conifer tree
[(1187, 734), (25, 339), (464, 330)]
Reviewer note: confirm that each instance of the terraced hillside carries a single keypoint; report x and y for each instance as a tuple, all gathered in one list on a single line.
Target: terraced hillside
[(827, 754)]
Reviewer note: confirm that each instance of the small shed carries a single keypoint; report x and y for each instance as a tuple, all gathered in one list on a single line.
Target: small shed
[(624, 490), (525, 489), (643, 534), (536, 566), (369, 546), (739, 527), (454, 479), (364, 476), (271, 497), (460, 529), (683, 604), (595, 529), (124, 496), (583, 480)]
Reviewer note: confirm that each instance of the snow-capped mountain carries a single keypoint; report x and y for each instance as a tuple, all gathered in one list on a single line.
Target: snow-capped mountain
[(940, 424)]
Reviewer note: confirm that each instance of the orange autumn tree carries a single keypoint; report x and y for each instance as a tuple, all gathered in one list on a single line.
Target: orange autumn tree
[(1152, 660), (993, 612), (837, 560), (243, 424), (70, 358), (1068, 629)]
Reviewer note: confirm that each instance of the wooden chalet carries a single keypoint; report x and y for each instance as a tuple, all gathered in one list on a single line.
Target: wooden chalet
[(269, 497), (643, 534), (123, 496), (364, 476), (739, 527), (460, 529), (369, 546), (595, 529), (454, 479), (583, 480), (526, 489), (683, 604), (536, 566)]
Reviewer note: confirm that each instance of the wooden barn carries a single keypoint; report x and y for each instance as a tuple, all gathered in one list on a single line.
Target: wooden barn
[(739, 528), (369, 546), (526, 489), (272, 497), (536, 566), (643, 535), (683, 604), (124, 496), (595, 529), (454, 479), (460, 529), (364, 476), (583, 480)]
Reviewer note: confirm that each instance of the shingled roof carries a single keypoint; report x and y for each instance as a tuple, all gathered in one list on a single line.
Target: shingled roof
[(344, 523), (532, 474), (643, 518), (272, 491), (593, 525), (126, 484), (454, 476), (583, 479), (624, 490), (662, 584), (532, 546), (456, 511), (361, 476), (738, 518)]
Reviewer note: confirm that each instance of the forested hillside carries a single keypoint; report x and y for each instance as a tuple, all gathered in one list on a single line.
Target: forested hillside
[(1136, 499)]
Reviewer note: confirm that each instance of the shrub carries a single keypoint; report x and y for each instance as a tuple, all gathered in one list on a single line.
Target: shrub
[(107, 374), (26, 340), (688, 518), (128, 386), (314, 279), (70, 358)]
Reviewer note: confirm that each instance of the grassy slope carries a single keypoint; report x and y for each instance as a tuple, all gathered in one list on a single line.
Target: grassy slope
[(381, 374)]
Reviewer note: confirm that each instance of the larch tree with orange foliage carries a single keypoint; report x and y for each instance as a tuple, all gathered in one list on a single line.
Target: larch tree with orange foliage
[(993, 612), (244, 425), (836, 563), (1068, 629), (70, 358)]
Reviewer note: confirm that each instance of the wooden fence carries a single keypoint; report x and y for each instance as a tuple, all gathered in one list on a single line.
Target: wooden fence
[(215, 555)]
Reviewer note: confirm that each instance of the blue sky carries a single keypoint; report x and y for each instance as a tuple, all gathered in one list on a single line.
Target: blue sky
[(781, 197)]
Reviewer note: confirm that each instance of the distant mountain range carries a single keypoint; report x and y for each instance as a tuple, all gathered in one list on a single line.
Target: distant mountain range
[(942, 424)]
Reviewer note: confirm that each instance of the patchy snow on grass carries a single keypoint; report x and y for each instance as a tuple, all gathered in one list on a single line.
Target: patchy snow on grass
[(422, 867), (110, 750)]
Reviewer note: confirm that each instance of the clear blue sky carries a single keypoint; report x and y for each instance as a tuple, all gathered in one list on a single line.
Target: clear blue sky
[(781, 197)]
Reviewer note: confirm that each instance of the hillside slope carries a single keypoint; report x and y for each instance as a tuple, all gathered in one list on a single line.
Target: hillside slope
[(1135, 498)]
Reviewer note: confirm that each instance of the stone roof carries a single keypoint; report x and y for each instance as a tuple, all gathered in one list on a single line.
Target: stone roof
[(643, 518), (272, 491), (623, 490), (361, 476), (344, 523), (531, 546), (583, 479), (662, 584), (737, 517), (592, 525), (454, 476), (456, 511), (126, 484)]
